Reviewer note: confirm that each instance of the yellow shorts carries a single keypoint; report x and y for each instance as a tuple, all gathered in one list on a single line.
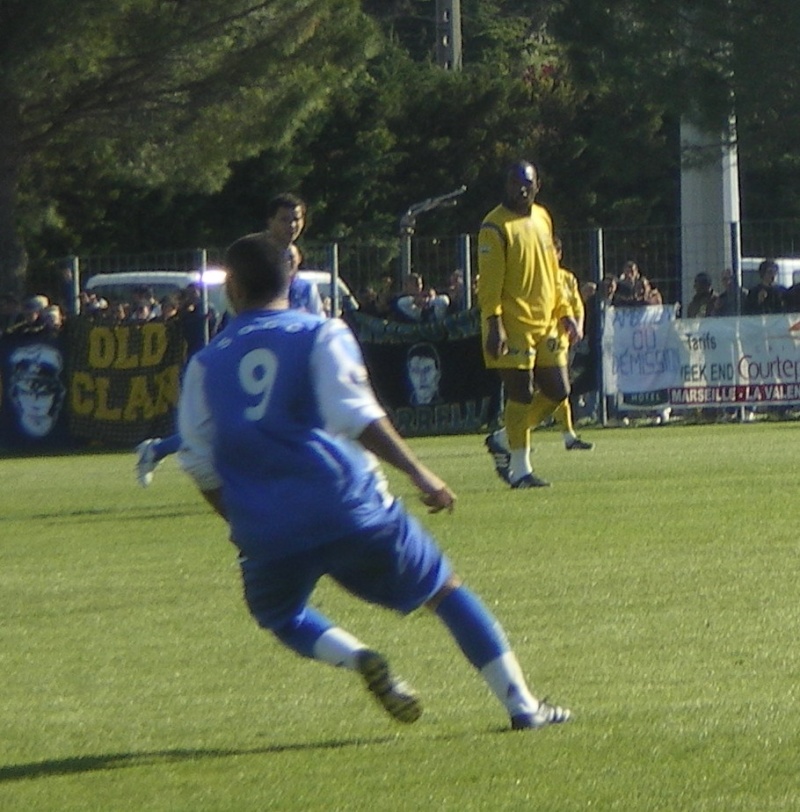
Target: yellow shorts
[(525, 351), (553, 351)]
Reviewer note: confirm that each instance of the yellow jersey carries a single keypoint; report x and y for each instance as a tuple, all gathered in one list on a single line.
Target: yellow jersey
[(518, 271)]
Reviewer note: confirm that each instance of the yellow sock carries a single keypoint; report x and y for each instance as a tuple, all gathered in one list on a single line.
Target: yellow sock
[(541, 408), (563, 417)]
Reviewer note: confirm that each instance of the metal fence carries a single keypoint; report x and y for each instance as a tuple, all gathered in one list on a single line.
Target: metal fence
[(589, 253)]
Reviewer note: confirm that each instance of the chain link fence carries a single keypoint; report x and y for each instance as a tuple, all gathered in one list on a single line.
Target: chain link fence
[(589, 253)]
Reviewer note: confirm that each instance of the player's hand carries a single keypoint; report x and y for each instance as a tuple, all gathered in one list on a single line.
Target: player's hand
[(443, 499), (572, 329), (496, 338), (434, 492)]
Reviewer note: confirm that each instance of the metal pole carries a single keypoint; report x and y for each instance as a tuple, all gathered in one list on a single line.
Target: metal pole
[(202, 261), (333, 263), (465, 251), (600, 305), (405, 257), (736, 267), (736, 263), (75, 303)]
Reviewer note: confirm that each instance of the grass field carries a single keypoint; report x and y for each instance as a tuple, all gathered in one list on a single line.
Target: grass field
[(653, 589)]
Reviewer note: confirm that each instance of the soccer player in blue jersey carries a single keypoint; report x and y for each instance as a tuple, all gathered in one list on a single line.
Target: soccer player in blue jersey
[(285, 221), (281, 430)]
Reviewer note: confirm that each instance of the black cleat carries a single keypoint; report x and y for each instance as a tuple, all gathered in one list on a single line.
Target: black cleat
[(396, 697), (530, 481), (578, 445), (500, 457)]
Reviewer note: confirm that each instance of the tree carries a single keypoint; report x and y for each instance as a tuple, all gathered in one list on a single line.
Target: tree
[(162, 93), (706, 59)]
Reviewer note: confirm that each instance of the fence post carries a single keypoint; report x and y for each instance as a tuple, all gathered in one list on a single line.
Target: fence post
[(736, 262), (75, 285), (465, 262), (201, 260), (333, 264), (736, 267), (598, 265), (405, 258)]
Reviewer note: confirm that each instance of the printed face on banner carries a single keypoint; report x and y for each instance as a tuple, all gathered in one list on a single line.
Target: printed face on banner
[(36, 390), (423, 368)]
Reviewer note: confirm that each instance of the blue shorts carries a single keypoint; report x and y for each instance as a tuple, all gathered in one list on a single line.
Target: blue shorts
[(397, 565)]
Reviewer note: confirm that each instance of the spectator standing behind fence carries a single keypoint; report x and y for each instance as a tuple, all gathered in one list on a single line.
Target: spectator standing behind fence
[(383, 298), (625, 290), (644, 294), (52, 318), (31, 322), (608, 287), (731, 300), (416, 303), (196, 326), (143, 300), (170, 307), (290, 466), (792, 299), (766, 297), (704, 301), (457, 292), (139, 313), (519, 296)]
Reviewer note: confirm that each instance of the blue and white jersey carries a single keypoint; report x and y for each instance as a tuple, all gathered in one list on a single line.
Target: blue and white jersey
[(268, 413), (304, 295)]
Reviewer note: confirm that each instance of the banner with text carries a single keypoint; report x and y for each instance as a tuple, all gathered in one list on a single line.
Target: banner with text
[(654, 360), (124, 380)]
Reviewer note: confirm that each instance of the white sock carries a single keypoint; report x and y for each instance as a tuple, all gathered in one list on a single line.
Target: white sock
[(569, 436), (338, 648), (520, 464), (501, 437), (504, 676)]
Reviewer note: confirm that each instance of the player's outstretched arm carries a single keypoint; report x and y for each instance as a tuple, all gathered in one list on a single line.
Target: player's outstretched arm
[(381, 438)]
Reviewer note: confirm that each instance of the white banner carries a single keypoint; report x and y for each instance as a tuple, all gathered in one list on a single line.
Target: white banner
[(654, 360)]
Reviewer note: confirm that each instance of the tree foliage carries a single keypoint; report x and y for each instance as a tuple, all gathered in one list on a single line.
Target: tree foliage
[(131, 125), (162, 93), (706, 60)]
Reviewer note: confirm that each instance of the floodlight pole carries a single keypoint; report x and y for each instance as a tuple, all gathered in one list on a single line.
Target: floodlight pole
[(408, 224)]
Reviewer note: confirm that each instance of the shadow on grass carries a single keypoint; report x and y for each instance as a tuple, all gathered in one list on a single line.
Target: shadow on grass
[(112, 513), (117, 761)]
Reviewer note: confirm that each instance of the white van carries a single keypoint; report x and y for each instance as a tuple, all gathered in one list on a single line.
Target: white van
[(118, 287), (788, 271)]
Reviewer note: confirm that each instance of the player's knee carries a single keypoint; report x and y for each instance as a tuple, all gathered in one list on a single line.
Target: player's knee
[(518, 385), (553, 383), (449, 586)]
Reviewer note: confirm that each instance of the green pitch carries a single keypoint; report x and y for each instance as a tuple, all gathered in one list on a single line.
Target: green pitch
[(652, 589)]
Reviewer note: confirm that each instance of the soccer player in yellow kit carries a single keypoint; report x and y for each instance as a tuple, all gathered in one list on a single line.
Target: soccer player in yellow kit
[(555, 351), (520, 296)]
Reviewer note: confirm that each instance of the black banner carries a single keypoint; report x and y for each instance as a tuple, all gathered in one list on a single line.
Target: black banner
[(124, 380), (113, 385), (33, 387), (430, 377)]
